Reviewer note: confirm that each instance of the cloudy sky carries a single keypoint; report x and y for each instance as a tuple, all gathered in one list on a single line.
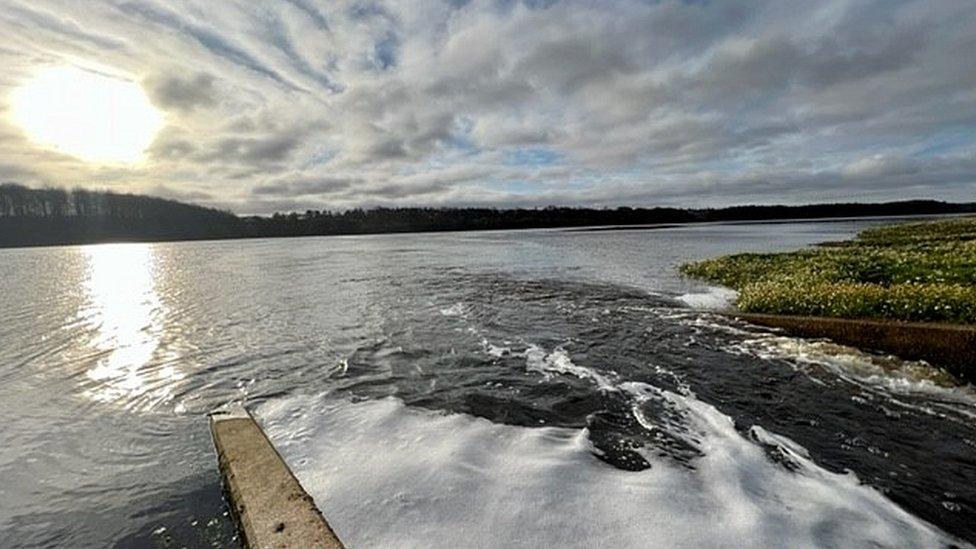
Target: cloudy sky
[(296, 104)]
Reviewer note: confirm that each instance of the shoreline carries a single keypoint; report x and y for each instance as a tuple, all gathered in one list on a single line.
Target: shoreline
[(555, 228), (912, 272), (903, 289), (784, 221)]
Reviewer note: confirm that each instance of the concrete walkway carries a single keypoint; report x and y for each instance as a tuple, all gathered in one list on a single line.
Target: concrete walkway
[(271, 507)]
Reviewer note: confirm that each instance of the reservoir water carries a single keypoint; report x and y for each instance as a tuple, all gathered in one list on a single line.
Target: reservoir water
[(501, 389)]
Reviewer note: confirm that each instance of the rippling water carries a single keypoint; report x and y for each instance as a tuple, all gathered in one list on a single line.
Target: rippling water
[(514, 389)]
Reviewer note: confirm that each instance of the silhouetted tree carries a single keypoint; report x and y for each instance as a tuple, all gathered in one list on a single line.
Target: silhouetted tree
[(55, 216)]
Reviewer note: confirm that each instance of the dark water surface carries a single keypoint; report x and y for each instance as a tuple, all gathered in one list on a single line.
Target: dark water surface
[(580, 349)]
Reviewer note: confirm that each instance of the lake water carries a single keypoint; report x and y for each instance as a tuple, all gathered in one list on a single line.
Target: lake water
[(503, 389)]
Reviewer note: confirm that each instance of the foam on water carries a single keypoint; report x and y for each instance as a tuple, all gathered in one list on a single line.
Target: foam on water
[(456, 309), (493, 350), (889, 375), (885, 375), (558, 362), (714, 298), (386, 475), (849, 360)]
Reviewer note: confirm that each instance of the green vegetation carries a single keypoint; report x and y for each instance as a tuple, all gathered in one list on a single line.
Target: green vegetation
[(915, 271)]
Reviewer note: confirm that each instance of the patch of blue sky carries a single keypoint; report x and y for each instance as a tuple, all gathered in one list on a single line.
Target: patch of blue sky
[(461, 144), (513, 186), (947, 142), (366, 10), (504, 6), (531, 187), (319, 158), (532, 157), (386, 52)]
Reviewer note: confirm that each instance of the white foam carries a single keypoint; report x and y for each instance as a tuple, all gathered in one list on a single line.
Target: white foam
[(558, 362), (714, 298), (493, 350), (390, 476), (457, 309), (888, 374), (883, 374)]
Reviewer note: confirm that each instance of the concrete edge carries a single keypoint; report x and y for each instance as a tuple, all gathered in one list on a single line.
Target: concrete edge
[(948, 346), (268, 503)]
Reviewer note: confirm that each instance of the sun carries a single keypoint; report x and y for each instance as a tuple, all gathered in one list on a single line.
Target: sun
[(90, 116)]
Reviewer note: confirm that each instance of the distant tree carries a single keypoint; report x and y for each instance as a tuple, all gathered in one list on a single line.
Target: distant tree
[(56, 216)]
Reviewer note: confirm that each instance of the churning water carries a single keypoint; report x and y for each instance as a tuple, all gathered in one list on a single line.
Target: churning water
[(513, 389)]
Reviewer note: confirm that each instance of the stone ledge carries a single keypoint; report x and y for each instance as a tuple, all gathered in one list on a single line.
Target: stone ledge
[(271, 507)]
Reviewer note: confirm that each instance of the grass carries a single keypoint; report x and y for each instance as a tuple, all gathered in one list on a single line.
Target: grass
[(915, 271)]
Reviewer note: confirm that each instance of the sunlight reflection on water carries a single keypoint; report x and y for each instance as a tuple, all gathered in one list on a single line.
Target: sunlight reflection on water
[(125, 308)]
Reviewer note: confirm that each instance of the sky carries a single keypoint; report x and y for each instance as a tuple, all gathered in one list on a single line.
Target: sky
[(330, 104)]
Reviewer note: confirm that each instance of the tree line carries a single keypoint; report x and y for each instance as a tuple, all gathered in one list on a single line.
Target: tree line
[(37, 217), (33, 217)]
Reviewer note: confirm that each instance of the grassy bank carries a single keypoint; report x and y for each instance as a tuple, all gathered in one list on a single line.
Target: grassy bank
[(915, 272)]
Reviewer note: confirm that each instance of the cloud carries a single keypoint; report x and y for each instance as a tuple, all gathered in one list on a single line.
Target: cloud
[(303, 186), (344, 103), (184, 94), (254, 151), (185, 195)]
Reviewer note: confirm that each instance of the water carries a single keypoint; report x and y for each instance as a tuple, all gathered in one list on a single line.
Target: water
[(459, 390)]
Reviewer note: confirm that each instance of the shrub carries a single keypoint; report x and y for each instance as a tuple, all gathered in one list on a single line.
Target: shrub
[(916, 271)]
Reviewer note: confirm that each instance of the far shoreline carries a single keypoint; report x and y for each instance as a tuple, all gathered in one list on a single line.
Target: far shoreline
[(789, 221), (32, 217), (564, 229)]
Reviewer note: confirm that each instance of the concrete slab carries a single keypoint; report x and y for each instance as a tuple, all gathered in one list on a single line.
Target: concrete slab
[(271, 507)]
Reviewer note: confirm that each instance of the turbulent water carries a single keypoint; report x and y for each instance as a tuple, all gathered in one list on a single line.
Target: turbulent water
[(513, 389)]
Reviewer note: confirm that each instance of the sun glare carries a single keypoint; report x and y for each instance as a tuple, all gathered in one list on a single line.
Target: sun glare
[(129, 320), (89, 116)]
